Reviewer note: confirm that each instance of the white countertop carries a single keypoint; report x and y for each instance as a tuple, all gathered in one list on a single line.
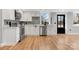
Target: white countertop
[(39, 25), (76, 25)]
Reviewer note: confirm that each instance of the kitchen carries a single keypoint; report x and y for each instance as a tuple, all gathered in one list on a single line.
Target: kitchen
[(16, 24)]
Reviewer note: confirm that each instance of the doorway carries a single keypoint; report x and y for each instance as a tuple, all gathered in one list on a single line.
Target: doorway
[(60, 24)]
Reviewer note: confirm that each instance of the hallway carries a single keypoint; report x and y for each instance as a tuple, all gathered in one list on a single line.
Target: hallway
[(55, 42)]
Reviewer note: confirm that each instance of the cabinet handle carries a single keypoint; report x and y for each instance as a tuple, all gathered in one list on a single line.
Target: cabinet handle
[(54, 22)]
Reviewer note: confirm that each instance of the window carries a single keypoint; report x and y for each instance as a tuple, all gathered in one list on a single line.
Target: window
[(60, 21), (44, 17)]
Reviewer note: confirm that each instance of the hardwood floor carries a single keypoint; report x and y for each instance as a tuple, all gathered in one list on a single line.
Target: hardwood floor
[(55, 42)]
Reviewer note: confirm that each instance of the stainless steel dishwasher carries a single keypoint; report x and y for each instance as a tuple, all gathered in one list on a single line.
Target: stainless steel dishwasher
[(43, 30)]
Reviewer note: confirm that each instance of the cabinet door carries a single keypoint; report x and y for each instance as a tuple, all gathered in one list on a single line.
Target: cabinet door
[(27, 30), (31, 30), (5, 14), (27, 16), (9, 35), (8, 14), (36, 30), (35, 13)]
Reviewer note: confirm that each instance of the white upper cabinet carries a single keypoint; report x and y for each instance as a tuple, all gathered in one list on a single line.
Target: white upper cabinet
[(26, 16), (36, 13), (8, 14)]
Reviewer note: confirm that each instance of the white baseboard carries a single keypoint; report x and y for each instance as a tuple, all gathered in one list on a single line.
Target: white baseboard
[(73, 33), (7, 44)]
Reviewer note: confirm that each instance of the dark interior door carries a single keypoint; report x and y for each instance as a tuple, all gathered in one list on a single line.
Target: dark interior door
[(60, 24)]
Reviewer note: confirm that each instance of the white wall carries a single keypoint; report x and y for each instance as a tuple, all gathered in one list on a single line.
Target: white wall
[(0, 25), (52, 29), (69, 26), (71, 29)]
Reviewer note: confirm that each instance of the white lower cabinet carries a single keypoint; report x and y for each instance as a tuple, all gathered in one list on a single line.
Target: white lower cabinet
[(10, 36), (31, 30)]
